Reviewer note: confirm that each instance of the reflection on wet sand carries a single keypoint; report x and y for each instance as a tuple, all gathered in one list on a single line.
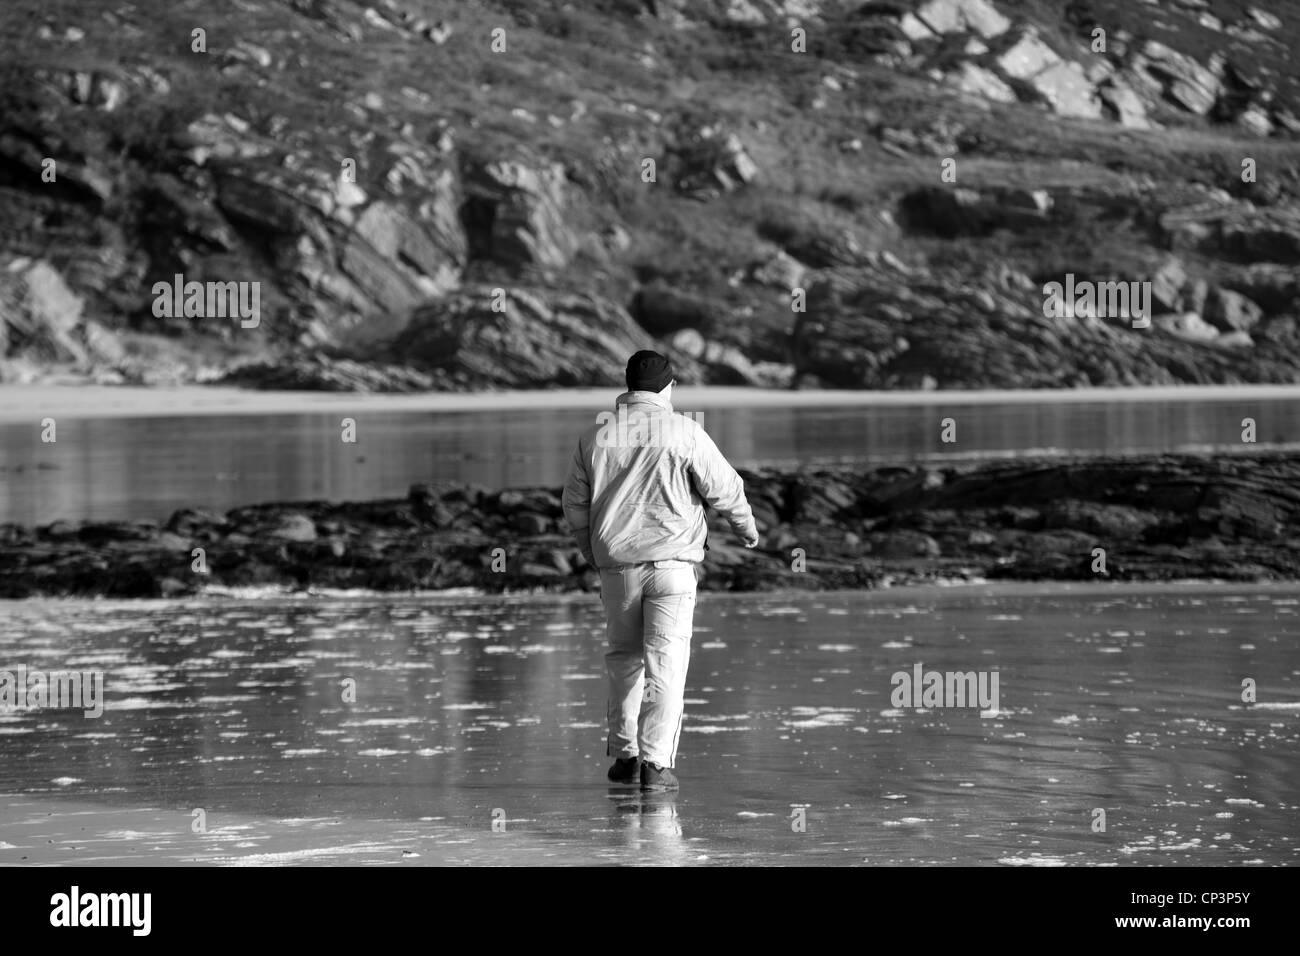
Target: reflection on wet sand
[(650, 826), (386, 730), (147, 468)]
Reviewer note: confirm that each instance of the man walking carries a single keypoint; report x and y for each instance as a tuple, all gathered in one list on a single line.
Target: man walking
[(634, 500)]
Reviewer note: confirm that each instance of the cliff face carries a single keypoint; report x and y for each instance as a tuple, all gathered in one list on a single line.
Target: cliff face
[(421, 195)]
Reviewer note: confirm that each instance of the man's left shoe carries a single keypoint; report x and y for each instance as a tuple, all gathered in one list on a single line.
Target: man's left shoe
[(655, 777), (624, 770)]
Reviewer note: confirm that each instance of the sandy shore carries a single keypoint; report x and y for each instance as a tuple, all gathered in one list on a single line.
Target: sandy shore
[(53, 830), (27, 402)]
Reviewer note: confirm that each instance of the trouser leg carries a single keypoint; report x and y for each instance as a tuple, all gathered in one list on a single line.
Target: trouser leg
[(620, 592), (669, 618)]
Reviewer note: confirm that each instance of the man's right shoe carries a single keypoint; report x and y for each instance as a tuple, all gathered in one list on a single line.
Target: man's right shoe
[(655, 777), (623, 770)]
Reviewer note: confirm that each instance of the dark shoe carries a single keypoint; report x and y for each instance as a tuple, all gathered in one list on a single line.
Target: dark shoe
[(624, 770), (654, 777)]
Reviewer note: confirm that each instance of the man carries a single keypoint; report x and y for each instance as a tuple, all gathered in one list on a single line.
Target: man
[(634, 500)]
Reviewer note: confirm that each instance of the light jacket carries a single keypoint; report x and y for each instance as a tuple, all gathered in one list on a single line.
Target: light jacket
[(638, 483)]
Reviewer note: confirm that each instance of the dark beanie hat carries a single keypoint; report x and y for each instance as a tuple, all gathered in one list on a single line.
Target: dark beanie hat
[(648, 372)]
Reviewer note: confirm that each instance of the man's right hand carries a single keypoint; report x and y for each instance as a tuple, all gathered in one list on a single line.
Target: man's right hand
[(751, 542)]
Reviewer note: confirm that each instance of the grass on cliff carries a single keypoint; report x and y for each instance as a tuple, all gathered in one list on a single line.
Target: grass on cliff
[(625, 70)]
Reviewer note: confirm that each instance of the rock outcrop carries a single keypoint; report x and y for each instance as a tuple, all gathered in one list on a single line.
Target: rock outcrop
[(863, 328), (534, 338), (685, 194), (1234, 517)]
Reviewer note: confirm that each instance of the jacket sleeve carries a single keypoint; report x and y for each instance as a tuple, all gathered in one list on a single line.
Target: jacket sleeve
[(577, 504), (721, 487)]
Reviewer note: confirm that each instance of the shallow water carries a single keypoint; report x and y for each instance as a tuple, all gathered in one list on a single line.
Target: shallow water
[(147, 467), (1126, 699)]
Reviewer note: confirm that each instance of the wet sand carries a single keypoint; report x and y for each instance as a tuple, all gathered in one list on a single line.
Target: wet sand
[(49, 831), (472, 709)]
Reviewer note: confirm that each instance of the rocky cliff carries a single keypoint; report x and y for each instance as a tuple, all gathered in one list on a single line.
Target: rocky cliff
[(426, 195)]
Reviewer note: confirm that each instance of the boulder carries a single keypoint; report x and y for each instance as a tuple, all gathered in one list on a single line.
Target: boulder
[(1067, 91), (1262, 235), (782, 271), (1104, 520), (1033, 200), (708, 163), (913, 27), (947, 212), (1184, 81), (530, 523), (662, 310), (1026, 57), (1265, 19), (427, 507), (542, 339), (1122, 104), (398, 237), (963, 16), (842, 344), (292, 527), (222, 137), (1167, 283), (1187, 326), (901, 545), (347, 195), (743, 11), (722, 364), (823, 250), (1230, 311), (258, 197), (1241, 340), (1070, 545), (102, 344), (978, 81), (1194, 295), (736, 168), (537, 500), (391, 290), (515, 214), (1235, 229), (193, 523), (1255, 120), (90, 177), (438, 210), (242, 51), (39, 314), (99, 90), (1275, 287), (958, 211)]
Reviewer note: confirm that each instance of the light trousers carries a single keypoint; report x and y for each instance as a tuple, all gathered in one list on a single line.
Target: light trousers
[(649, 612)]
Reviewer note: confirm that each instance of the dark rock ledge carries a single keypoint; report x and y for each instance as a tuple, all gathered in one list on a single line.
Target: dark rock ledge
[(1234, 517)]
